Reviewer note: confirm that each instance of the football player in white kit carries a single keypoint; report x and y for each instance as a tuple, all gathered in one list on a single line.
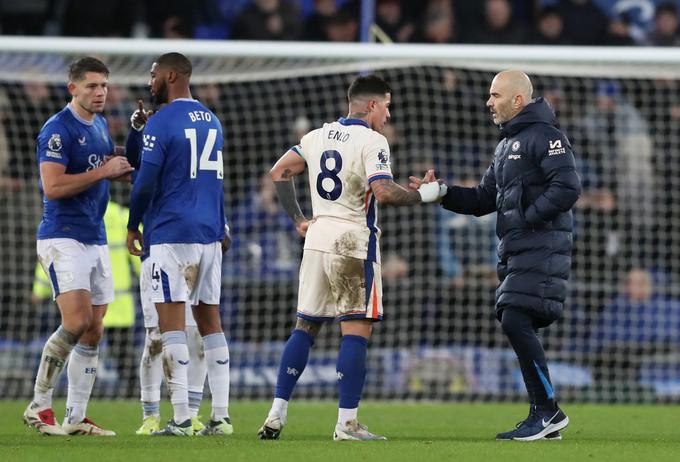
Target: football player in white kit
[(348, 163)]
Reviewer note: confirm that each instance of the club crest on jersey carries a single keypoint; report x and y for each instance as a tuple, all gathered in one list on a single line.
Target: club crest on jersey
[(54, 142), (515, 146)]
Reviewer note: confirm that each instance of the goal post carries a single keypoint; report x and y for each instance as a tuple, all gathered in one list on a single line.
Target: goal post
[(620, 107)]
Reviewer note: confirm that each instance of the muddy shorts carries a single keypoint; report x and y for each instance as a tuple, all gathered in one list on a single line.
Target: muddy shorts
[(148, 307), (186, 273), (72, 265), (339, 287)]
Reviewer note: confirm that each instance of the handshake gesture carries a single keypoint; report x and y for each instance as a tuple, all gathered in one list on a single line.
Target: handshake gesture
[(429, 187)]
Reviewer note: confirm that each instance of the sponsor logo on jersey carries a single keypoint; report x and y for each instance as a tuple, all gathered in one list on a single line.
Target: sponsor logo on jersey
[(515, 156), (55, 155), (515, 146), (555, 148), (149, 141), (81, 141), (54, 142)]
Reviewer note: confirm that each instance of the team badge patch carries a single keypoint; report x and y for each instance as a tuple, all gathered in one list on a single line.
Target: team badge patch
[(515, 146), (55, 142)]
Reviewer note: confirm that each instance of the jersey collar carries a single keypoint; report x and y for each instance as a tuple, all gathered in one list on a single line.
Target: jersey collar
[(78, 118), (344, 121)]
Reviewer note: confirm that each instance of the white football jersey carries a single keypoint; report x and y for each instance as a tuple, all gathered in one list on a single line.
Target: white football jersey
[(343, 158)]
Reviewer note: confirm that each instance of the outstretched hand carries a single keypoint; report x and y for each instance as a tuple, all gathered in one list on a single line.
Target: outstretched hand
[(140, 116), (415, 182)]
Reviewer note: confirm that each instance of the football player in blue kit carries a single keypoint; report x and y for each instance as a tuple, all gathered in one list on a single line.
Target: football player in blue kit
[(75, 159), (180, 189)]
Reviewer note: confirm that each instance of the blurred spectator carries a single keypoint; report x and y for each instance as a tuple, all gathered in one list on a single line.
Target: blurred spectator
[(85, 18), (343, 27), (438, 25), (268, 20), (498, 26), (665, 32), (265, 245), (28, 104), (619, 32), (549, 28), (639, 322), (170, 18), (640, 314), (316, 23), (389, 16), (25, 17), (394, 267), (621, 152), (466, 245), (584, 22)]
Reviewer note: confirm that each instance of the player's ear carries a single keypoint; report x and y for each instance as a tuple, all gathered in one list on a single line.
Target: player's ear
[(72, 88), (172, 76)]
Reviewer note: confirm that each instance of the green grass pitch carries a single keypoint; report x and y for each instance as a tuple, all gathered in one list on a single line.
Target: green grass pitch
[(416, 432)]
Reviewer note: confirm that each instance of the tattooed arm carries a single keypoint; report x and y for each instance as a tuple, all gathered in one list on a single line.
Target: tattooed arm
[(286, 168), (389, 192)]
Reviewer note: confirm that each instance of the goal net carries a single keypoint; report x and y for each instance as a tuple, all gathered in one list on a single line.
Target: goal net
[(620, 336)]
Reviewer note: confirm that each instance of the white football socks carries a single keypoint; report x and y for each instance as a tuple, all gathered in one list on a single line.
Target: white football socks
[(176, 360), (279, 409), (82, 370), (54, 356), (217, 361), (347, 415), (197, 369), (151, 372)]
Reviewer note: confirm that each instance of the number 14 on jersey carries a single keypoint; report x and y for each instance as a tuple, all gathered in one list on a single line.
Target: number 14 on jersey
[(204, 163)]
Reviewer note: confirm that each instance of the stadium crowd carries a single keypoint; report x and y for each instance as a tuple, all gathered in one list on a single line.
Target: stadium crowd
[(539, 22)]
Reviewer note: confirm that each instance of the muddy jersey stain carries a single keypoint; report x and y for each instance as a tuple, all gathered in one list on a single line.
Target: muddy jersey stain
[(355, 185), (348, 284), (346, 243)]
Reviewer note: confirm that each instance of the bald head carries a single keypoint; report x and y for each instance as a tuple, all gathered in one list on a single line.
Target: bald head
[(510, 91)]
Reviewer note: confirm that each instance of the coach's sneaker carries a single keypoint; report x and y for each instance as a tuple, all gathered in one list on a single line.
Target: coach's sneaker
[(554, 436), (86, 427), (271, 428), (354, 431), (219, 427), (176, 429), (196, 424), (539, 423), (149, 425), (43, 421)]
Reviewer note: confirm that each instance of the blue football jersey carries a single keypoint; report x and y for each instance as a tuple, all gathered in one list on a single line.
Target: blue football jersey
[(81, 146), (184, 139)]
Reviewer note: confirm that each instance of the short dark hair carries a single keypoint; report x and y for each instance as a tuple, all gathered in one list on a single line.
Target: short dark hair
[(177, 62), (79, 67), (666, 7), (368, 85)]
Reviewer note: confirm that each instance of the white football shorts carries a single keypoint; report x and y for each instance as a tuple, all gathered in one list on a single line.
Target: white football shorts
[(186, 273), (148, 306), (72, 265), (339, 287)]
